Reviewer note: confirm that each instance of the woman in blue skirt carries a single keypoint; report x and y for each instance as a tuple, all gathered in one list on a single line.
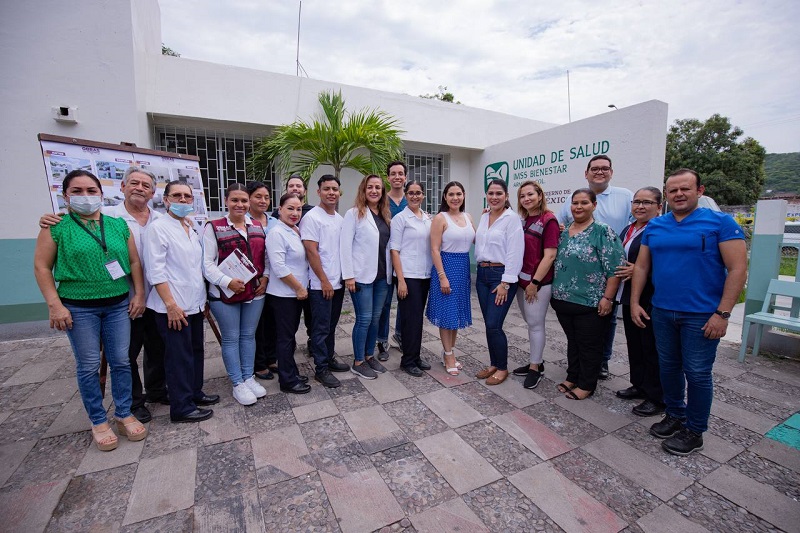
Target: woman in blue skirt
[(452, 235)]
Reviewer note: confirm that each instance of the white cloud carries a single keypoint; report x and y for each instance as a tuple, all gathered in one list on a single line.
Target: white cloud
[(740, 59)]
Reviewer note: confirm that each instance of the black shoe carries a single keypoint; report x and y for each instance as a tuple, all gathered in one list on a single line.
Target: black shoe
[(207, 399), (142, 414), (396, 338), (162, 401), (423, 365), (297, 388), (521, 370), (413, 371), (198, 415), (648, 408), (603, 370), (533, 378), (303, 379), (334, 365), (265, 375), (683, 442), (326, 378), (631, 393), (383, 353), (668, 426)]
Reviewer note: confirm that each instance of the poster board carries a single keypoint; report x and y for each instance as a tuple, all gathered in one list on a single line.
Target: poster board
[(108, 162)]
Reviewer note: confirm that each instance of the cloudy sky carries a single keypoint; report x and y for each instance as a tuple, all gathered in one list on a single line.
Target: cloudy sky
[(737, 58)]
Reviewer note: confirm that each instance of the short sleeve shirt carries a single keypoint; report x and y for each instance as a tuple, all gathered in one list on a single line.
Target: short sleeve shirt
[(324, 229), (538, 237), (686, 264)]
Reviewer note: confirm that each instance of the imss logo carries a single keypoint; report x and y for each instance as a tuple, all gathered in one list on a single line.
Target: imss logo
[(495, 171)]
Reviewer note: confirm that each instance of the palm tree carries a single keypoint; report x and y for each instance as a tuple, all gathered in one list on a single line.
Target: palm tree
[(365, 141)]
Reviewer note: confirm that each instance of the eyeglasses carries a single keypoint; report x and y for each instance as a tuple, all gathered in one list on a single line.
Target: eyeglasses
[(646, 203), (180, 196), (597, 170), (414, 193)]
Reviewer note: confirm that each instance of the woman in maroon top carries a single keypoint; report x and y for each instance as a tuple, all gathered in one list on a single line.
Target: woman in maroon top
[(541, 241)]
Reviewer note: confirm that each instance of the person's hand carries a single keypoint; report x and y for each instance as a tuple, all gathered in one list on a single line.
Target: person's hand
[(501, 295), (262, 286), (402, 289), (604, 307), (638, 315), (350, 283), (444, 284), (236, 285), (715, 328), (327, 289), (50, 219), (176, 317), (136, 306), (531, 293), (302, 293), (624, 271), (60, 317)]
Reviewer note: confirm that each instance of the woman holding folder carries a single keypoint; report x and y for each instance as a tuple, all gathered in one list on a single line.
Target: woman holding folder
[(234, 260)]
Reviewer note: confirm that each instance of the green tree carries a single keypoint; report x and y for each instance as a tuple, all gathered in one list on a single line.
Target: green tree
[(167, 51), (783, 173), (365, 141), (732, 170), (444, 95)]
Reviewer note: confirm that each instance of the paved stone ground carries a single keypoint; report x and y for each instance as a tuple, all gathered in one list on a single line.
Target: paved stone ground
[(437, 453)]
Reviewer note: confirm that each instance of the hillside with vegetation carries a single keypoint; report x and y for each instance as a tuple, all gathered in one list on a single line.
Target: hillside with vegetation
[(783, 173)]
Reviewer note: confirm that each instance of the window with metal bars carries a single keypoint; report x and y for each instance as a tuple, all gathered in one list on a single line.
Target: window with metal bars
[(433, 171)]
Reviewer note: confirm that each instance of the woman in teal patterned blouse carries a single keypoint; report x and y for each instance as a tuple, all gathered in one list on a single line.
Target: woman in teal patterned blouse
[(583, 292)]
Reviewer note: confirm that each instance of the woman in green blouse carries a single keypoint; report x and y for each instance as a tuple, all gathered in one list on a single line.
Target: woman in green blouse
[(91, 255), (583, 292)]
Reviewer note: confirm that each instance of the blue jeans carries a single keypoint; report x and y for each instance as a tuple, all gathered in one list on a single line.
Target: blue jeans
[(111, 325), (685, 359), (368, 301), (487, 280), (237, 327), (383, 326), (324, 319)]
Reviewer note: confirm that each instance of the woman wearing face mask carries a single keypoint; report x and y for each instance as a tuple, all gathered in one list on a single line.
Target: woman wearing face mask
[(239, 310), (173, 257), (288, 287), (89, 255)]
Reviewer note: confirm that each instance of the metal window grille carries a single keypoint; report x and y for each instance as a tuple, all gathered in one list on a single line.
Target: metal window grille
[(223, 157), (433, 171)]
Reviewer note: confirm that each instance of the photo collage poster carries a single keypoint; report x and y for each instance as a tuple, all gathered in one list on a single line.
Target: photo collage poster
[(109, 166)]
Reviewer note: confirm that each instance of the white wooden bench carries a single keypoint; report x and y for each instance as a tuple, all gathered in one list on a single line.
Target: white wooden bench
[(767, 316)]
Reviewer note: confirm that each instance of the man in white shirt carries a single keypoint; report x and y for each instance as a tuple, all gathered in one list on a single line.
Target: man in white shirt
[(613, 210), (138, 187), (320, 230)]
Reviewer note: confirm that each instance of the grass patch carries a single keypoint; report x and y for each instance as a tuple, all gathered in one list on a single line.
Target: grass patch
[(788, 266)]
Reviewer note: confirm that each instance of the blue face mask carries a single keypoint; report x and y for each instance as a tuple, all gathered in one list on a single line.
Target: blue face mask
[(180, 210), (85, 205)]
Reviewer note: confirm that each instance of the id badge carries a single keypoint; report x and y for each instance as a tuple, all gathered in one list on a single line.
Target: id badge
[(115, 270)]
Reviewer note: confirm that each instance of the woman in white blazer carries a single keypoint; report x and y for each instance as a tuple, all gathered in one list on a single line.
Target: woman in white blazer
[(363, 245)]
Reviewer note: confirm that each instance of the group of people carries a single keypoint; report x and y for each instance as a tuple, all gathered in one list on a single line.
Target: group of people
[(129, 277)]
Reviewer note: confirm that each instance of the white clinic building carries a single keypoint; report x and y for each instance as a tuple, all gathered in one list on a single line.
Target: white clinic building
[(102, 60)]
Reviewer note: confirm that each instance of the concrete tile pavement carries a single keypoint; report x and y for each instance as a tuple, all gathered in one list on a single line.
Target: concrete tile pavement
[(399, 453)]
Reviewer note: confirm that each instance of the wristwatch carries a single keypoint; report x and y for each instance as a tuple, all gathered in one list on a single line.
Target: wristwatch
[(536, 282), (724, 314), (506, 286)]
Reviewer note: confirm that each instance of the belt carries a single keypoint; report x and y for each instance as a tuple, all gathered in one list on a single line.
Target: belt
[(490, 264)]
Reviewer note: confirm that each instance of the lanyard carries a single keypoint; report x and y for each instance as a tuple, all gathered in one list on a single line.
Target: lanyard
[(632, 232), (102, 240)]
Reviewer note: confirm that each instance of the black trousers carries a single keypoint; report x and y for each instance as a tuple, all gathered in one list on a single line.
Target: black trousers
[(412, 308), (586, 335), (287, 320), (324, 319), (144, 333), (183, 363), (265, 340), (643, 357)]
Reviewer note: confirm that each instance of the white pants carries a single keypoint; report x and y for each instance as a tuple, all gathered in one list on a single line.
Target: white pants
[(534, 314)]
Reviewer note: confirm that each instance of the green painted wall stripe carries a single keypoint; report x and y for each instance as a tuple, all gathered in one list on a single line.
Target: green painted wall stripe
[(10, 314), (17, 284)]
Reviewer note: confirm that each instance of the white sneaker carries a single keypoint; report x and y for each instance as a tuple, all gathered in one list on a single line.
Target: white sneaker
[(244, 395), (255, 387)]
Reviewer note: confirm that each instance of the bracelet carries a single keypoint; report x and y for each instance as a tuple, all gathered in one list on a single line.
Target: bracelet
[(441, 274), (607, 298)]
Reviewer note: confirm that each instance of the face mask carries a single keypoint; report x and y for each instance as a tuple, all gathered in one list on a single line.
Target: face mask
[(85, 205), (180, 210)]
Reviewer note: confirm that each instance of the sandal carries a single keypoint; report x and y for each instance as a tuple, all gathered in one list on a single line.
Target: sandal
[(494, 379), (454, 370), (131, 428), (486, 372), (572, 396), (565, 386), (105, 439)]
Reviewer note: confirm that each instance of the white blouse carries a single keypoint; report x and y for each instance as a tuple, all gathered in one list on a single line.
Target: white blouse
[(172, 256), (504, 243), (287, 255), (358, 248), (411, 237)]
